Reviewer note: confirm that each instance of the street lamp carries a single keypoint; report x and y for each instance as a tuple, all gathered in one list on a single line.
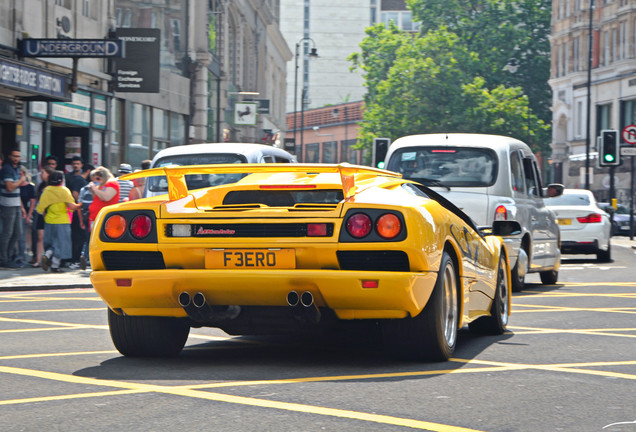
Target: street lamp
[(312, 53)]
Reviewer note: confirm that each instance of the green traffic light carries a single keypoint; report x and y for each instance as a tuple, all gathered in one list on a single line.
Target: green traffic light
[(609, 158), (381, 165)]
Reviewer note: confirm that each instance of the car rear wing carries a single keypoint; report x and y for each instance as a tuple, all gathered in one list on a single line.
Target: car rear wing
[(177, 187)]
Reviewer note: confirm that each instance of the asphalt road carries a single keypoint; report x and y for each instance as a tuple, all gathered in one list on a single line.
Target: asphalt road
[(568, 363)]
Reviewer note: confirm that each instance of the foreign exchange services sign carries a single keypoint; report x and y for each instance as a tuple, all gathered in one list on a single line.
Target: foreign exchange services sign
[(71, 48)]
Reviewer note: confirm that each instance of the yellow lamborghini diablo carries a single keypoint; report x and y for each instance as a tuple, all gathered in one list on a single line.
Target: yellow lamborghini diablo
[(297, 247)]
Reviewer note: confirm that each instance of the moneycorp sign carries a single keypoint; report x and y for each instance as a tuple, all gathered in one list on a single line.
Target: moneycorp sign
[(71, 48)]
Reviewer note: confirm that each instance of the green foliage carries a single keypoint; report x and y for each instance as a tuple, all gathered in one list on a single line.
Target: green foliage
[(452, 77)]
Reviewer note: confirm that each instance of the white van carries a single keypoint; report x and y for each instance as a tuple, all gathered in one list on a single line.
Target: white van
[(211, 153), (490, 178)]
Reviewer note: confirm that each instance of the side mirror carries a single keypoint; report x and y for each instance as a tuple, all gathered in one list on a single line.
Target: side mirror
[(506, 228), (554, 190)]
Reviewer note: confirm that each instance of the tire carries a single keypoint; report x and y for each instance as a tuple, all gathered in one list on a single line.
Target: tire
[(549, 277), (604, 256), (518, 281), (496, 323), (432, 334), (135, 336)]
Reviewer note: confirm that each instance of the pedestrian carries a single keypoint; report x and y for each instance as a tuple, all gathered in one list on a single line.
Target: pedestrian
[(49, 161), (11, 209), (105, 189), (55, 203), (124, 185), (27, 195), (38, 219), (86, 199), (75, 182), (145, 164)]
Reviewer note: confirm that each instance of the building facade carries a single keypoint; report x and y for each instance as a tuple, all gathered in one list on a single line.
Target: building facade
[(611, 89), (204, 57)]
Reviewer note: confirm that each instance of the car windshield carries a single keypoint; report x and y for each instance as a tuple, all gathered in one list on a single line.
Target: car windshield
[(569, 200), (197, 181), (446, 166)]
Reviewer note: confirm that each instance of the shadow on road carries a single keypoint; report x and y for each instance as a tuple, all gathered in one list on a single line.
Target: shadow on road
[(276, 358)]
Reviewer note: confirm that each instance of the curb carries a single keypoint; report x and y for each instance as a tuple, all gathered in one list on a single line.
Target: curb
[(43, 287)]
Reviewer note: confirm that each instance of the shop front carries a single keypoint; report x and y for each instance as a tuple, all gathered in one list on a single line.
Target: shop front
[(68, 129)]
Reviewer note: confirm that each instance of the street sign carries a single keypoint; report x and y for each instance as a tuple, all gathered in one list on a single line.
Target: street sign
[(628, 151), (629, 134), (71, 48)]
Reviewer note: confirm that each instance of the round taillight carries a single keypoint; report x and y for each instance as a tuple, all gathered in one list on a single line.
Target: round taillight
[(388, 226), (140, 226), (359, 225), (115, 226), (501, 213)]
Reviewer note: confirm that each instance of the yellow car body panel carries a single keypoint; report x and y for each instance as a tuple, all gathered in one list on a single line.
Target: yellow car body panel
[(429, 230)]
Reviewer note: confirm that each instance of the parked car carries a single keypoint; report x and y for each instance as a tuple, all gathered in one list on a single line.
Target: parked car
[(585, 228), (293, 247), (620, 218), (490, 178), (212, 153)]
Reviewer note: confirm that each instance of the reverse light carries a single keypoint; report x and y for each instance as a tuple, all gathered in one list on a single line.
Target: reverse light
[(317, 230), (388, 226), (181, 230), (140, 226), (115, 226), (359, 225), (591, 218), (501, 213)]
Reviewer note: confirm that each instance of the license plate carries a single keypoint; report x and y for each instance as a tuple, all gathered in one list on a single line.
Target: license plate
[(250, 259), (564, 221)]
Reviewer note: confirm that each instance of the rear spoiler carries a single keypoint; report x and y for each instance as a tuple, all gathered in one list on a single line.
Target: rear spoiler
[(178, 189)]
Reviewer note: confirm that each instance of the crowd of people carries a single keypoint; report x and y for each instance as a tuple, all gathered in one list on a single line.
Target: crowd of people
[(46, 221)]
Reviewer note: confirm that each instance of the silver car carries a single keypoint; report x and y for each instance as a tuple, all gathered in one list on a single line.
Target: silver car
[(211, 153), (490, 178)]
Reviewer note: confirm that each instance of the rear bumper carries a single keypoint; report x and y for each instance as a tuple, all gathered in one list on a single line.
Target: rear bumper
[(575, 247), (156, 292)]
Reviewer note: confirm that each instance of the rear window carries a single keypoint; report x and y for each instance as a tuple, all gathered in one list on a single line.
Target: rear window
[(197, 181), (569, 200), (446, 166)]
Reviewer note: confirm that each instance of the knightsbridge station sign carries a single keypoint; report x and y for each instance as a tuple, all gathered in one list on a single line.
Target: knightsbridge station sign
[(71, 48), (22, 77)]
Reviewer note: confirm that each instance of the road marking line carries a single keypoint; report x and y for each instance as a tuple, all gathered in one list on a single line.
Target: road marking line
[(65, 354), (52, 323), (219, 397), (52, 310), (71, 396)]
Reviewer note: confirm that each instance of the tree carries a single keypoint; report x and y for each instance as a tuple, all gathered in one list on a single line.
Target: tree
[(451, 77)]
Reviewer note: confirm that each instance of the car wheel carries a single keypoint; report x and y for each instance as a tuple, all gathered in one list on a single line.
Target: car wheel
[(519, 271), (432, 334), (498, 320), (549, 277), (135, 336), (604, 256)]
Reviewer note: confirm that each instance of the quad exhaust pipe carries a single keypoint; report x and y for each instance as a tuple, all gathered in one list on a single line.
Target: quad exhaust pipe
[(304, 306), (200, 311)]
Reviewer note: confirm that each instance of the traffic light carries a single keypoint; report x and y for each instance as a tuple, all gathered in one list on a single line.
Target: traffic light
[(380, 148), (610, 149)]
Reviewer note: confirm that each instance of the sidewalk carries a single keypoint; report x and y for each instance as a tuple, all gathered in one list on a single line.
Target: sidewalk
[(37, 279), (30, 278)]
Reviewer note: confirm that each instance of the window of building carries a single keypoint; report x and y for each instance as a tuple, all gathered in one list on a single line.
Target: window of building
[(606, 48), (330, 152), (312, 153), (86, 11), (402, 19), (160, 130), (603, 118), (622, 50), (576, 54), (177, 129), (579, 120)]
